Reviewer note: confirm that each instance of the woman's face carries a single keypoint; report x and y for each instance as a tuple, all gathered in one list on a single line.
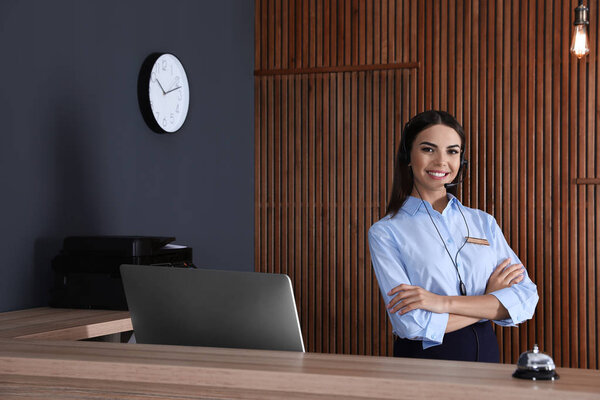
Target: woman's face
[(435, 158)]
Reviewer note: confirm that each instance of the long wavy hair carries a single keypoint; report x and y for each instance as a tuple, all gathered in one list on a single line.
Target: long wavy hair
[(403, 177)]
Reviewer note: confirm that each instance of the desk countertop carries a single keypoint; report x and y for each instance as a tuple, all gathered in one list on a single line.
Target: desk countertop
[(58, 367), (62, 323)]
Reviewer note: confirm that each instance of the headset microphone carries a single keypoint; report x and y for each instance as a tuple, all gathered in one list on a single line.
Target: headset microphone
[(450, 185), (463, 171)]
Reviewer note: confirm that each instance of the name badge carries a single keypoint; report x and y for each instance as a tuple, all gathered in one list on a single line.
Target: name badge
[(475, 240)]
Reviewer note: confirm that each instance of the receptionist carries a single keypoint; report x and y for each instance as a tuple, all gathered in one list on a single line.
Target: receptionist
[(444, 270)]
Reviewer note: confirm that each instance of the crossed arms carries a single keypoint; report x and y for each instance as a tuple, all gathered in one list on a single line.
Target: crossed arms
[(462, 310)]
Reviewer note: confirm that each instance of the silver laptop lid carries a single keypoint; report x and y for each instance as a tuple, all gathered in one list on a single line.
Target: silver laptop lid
[(200, 307)]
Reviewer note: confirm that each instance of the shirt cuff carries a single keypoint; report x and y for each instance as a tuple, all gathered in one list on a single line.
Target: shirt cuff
[(435, 330), (510, 301)]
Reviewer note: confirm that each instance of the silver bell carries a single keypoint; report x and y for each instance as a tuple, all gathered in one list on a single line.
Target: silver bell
[(535, 366)]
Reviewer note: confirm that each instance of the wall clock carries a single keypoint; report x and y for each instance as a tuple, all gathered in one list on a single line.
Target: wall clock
[(163, 92)]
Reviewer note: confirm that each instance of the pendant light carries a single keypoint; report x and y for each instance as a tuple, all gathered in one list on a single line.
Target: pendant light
[(580, 46)]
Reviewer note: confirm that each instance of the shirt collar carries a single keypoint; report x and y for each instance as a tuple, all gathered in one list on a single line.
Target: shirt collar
[(412, 204)]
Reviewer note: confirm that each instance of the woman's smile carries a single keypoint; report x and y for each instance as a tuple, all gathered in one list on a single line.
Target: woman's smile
[(439, 175)]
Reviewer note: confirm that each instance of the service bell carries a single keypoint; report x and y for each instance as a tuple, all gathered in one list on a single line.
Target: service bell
[(535, 366)]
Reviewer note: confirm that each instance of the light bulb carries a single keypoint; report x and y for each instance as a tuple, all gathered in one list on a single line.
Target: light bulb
[(580, 46)]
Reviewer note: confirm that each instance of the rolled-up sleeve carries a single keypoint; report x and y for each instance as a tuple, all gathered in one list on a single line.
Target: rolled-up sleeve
[(520, 299), (390, 272)]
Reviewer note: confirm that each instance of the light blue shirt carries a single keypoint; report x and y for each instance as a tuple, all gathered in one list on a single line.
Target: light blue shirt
[(407, 249)]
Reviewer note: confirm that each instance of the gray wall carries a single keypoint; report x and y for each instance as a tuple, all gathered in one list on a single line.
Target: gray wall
[(76, 155)]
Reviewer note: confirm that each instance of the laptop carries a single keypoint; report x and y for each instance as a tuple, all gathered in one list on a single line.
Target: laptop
[(201, 307)]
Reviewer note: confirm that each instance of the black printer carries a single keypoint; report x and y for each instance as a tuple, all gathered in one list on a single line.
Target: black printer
[(86, 272)]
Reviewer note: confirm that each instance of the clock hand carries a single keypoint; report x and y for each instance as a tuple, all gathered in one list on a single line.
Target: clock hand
[(178, 87), (175, 82), (161, 86)]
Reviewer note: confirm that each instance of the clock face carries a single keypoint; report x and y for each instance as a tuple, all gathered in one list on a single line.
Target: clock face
[(169, 93)]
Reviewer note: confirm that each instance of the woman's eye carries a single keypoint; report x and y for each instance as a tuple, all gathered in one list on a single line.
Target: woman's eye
[(452, 151), (426, 149)]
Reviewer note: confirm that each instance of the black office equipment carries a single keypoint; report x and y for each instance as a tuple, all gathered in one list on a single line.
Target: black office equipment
[(87, 275)]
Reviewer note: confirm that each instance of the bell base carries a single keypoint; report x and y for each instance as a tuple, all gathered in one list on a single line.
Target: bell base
[(536, 375)]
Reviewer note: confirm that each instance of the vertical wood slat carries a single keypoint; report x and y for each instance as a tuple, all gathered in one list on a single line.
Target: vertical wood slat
[(555, 343), (596, 205), (378, 326), (325, 144), (565, 195), (594, 279), (369, 154), (339, 200), (545, 324), (573, 206)]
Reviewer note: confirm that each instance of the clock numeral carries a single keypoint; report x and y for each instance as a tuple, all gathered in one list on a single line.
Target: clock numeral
[(153, 77), (172, 118), (171, 69), (164, 65), (179, 95), (164, 123), (157, 115), (177, 109)]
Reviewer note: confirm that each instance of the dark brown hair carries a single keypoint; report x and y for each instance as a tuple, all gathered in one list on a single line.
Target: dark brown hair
[(403, 178)]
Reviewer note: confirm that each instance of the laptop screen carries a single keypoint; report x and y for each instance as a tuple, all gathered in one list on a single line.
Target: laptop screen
[(201, 307)]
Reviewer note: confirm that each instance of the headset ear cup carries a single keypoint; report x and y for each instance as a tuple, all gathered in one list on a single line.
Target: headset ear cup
[(403, 154), (403, 150)]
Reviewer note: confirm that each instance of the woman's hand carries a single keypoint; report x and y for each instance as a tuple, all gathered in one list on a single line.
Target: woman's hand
[(505, 276), (410, 298)]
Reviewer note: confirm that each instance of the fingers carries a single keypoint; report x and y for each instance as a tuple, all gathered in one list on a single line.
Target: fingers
[(395, 300), (508, 273), (505, 263), (405, 293), (409, 307), (402, 295), (511, 272), (501, 267), (505, 275), (515, 272), (400, 288), (409, 301)]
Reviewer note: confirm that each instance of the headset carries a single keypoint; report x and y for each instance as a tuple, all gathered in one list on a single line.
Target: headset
[(404, 155)]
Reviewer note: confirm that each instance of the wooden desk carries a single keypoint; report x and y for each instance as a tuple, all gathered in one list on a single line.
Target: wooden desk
[(62, 323), (60, 369), (36, 369)]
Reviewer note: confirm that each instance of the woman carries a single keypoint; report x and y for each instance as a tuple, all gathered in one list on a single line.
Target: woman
[(444, 270)]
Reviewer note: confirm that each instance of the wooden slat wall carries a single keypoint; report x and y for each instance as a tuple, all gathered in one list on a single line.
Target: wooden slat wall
[(335, 81)]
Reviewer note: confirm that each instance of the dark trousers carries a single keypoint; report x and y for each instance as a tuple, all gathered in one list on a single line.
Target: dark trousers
[(475, 342)]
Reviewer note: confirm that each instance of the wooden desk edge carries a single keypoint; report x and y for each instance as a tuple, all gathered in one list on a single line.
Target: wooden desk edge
[(63, 324), (83, 332), (268, 372)]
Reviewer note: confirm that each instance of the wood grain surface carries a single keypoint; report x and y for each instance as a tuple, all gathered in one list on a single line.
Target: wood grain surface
[(60, 369), (62, 323)]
